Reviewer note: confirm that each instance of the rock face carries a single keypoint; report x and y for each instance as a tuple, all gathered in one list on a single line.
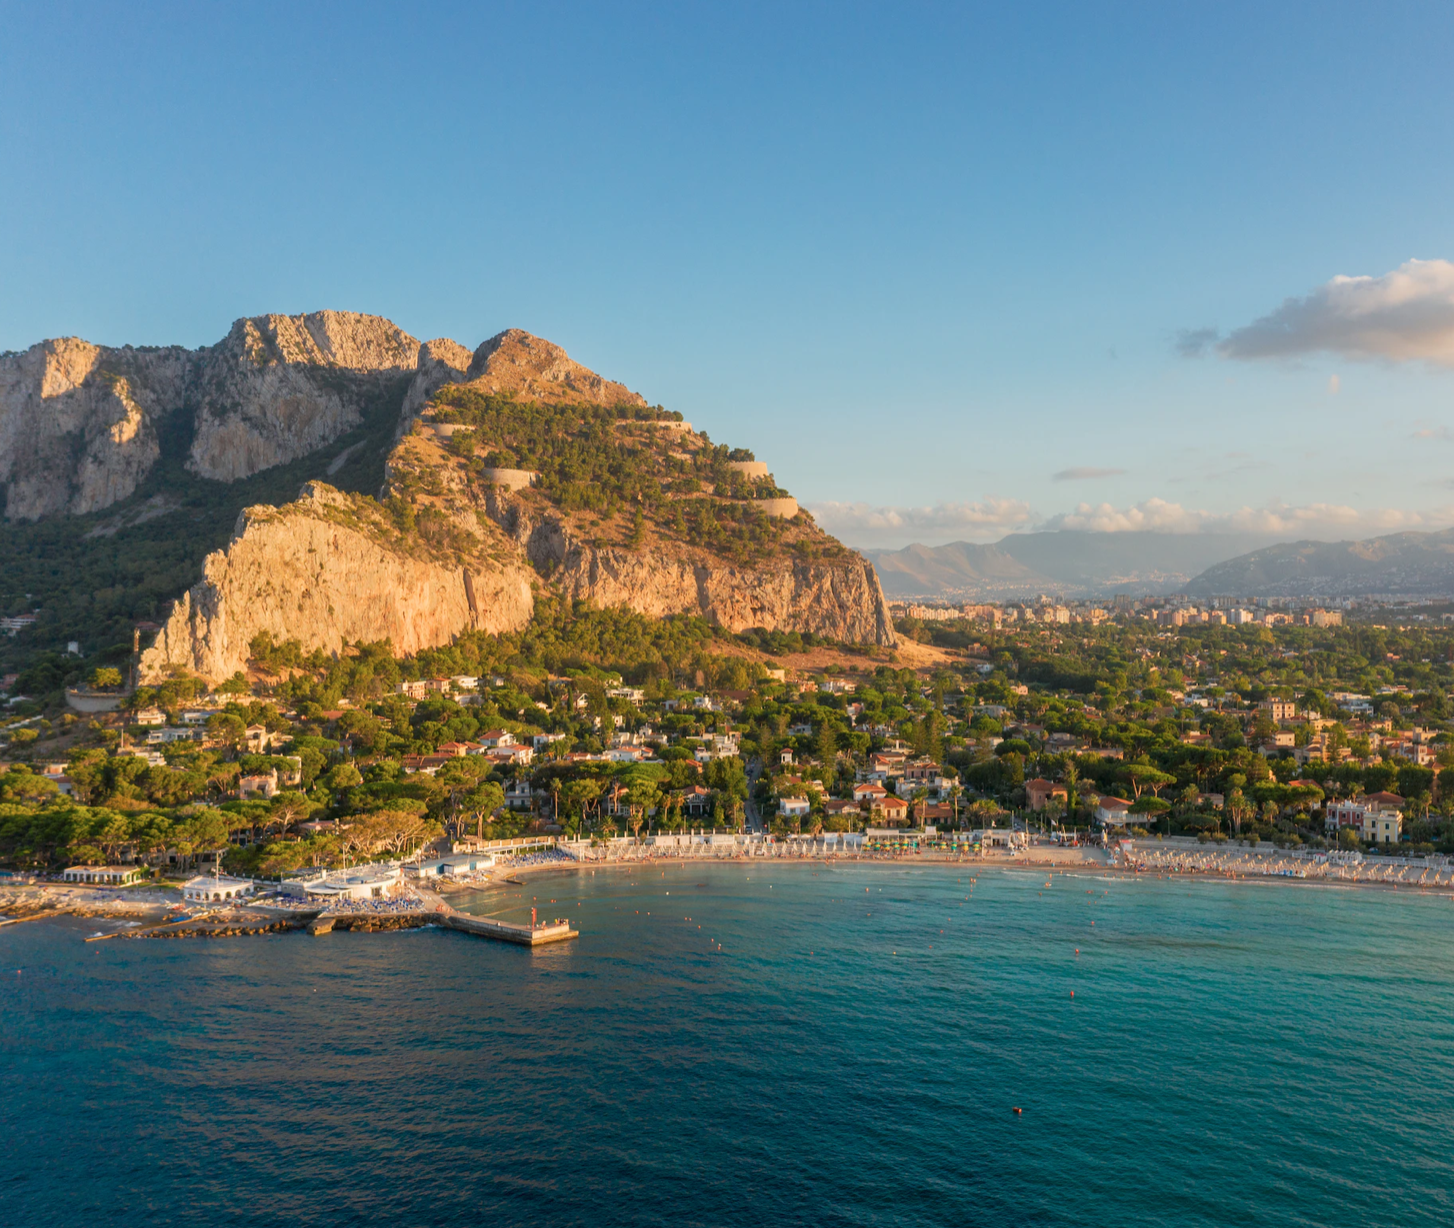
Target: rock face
[(78, 423), (441, 361), (538, 370), (313, 570), (279, 386), (79, 432), (841, 599)]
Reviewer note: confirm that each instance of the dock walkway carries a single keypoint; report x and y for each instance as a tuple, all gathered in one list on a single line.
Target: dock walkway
[(506, 931)]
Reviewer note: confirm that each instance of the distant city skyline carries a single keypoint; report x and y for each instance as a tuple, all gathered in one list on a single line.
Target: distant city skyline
[(953, 273)]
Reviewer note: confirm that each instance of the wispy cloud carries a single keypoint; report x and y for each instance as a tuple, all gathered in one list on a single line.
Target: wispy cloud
[(1194, 342), (864, 524), (1308, 520), (1081, 473), (1404, 315), (1434, 432)]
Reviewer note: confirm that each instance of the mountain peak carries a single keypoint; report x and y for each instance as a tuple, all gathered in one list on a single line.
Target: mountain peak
[(347, 339), (533, 368)]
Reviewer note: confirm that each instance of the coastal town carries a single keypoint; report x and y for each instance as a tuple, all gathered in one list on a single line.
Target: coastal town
[(1019, 736)]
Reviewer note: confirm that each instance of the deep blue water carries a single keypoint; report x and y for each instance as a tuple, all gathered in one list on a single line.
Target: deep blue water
[(852, 1054)]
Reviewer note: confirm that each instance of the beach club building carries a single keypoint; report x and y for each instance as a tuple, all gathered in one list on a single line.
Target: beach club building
[(371, 882), (209, 889), (104, 876), (456, 863)]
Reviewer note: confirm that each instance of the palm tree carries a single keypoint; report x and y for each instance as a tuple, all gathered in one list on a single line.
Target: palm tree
[(919, 798)]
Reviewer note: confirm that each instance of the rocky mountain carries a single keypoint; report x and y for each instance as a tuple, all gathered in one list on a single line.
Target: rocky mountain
[(78, 423), (1400, 564), (331, 568), (81, 425), (277, 387), (1064, 563), (441, 489)]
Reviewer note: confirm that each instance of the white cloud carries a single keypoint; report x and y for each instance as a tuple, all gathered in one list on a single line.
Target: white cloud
[(1404, 315), (864, 524), (1081, 473), (1309, 520), (1334, 385), (1434, 432)]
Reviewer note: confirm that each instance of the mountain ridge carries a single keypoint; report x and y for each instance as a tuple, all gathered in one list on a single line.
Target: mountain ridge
[(1414, 563), (1068, 563), (504, 469)]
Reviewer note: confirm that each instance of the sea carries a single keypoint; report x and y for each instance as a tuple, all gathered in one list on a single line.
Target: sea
[(752, 1045)]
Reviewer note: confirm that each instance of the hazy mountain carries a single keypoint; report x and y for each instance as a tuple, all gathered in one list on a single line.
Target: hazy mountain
[(1067, 563), (1406, 564), (920, 571)]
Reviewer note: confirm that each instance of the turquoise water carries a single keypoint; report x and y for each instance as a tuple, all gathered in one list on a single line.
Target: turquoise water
[(1234, 1053)]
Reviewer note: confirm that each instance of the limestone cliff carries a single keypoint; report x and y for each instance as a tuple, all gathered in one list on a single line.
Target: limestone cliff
[(324, 570), (279, 386), (617, 502), (840, 598), (78, 423)]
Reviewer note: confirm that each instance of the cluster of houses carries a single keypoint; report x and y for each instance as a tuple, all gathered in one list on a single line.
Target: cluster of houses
[(1376, 818), (892, 789), (1166, 612)]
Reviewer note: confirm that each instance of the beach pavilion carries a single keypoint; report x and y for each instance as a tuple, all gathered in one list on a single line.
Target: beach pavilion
[(207, 888), (104, 876), (456, 863)]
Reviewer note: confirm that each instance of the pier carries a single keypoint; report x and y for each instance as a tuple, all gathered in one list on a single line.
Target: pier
[(533, 935)]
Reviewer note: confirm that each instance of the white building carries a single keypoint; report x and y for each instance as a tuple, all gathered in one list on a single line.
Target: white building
[(208, 889), (104, 876), (456, 863), (793, 807), (1113, 812), (371, 882)]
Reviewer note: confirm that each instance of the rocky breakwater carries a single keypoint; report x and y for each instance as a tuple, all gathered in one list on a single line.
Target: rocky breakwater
[(327, 569)]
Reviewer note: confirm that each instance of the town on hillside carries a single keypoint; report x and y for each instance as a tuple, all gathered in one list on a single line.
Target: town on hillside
[(604, 726)]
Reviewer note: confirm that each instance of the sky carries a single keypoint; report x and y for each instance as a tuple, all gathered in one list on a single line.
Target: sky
[(954, 271)]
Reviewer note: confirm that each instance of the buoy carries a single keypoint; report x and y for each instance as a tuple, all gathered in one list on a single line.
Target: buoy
[(1072, 993), (1018, 1110)]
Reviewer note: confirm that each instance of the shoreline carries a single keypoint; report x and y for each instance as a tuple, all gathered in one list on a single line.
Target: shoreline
[(1067, 865), (43, 901)]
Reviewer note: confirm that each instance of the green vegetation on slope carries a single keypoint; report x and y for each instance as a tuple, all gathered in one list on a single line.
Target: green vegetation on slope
[(626, 460)]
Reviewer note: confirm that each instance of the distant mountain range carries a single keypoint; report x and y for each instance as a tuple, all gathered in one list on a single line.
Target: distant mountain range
[(1064, 563), (1402, 564), (1071, 564)]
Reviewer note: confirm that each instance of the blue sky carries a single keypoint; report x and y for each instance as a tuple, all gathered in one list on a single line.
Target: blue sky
[(922, 258)]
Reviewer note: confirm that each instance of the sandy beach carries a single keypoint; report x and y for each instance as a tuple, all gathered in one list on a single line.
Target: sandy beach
[(148, 906)]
